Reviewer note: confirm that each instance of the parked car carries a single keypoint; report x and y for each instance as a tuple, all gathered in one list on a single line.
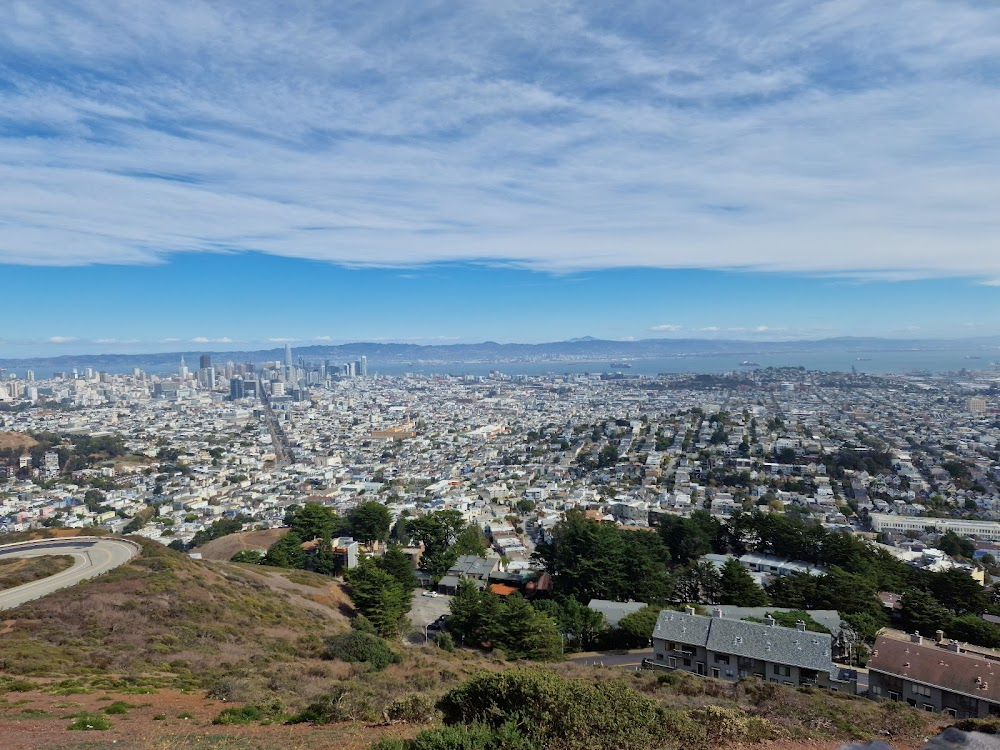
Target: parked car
[(435, 594)]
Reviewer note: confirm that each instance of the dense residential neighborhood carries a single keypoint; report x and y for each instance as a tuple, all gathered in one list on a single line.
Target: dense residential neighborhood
[(766, 498)]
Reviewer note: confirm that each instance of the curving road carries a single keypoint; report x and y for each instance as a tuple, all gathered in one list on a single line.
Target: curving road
[(92, 557)]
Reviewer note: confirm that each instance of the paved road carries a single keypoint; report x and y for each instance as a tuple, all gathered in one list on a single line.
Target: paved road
[(629, 660), (92, 557)]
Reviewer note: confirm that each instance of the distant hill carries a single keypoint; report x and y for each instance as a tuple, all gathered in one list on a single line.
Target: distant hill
[(585, 348)]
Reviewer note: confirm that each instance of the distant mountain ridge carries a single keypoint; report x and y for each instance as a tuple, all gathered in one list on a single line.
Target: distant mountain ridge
[(586, 348)]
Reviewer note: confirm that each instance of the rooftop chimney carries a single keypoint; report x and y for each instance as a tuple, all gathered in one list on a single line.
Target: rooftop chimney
[(768, 620), (717, 612), (689, 610), (953, 646), (916, 638), (938, 636)]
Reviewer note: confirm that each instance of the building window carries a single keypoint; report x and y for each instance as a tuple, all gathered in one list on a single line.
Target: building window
[(928, 707), (921, 690), (687, 662), (782, 671), (672, 662), (722, 658)]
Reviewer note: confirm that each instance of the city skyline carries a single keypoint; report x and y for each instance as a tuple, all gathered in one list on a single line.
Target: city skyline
[(472, 172)]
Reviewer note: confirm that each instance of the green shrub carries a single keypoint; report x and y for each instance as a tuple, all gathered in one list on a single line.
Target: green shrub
[(415, 708), (356, 646), (266, 713), (389, 744), (14, 685), (90, 722), (118, 707), (242, 715), (475, 737), (251, 556), (362, 624), (445, 642), (559, 713)]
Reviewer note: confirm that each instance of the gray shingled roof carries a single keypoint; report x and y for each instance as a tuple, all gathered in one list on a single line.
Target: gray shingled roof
[(685, 628), (749, 639), (614, 611), (828, 618), (473, 566)]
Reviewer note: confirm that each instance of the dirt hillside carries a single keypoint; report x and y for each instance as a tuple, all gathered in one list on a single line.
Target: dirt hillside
[(225, 547)]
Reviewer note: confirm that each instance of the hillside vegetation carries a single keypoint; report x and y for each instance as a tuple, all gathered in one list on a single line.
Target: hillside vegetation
[(16, 571), (264, 657)]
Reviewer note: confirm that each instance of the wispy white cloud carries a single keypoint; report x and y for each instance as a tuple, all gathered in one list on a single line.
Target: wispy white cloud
[(117, 342), (842, 138), (207, 340), (666, 328), (62, 339)]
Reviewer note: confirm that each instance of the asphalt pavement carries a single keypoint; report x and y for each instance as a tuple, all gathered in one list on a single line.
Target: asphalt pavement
[(626, 659), (92, 556)]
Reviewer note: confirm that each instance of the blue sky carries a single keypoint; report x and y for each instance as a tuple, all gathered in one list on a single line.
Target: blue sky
[(199, 174)]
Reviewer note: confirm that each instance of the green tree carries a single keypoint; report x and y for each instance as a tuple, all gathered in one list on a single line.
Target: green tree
[(437, 532), (378, 596), (370, 522), (645, 568), (401, 531), (465, 619), (579, 624), (921, 613), (636, 629), (315, 521), (247, 556), (738, 588), (956, 546), (287, 552), (94, 500), (471, 541), (527, 633), (688, 538), (959, 592), (975, 630), (398, 565), (584, 558)]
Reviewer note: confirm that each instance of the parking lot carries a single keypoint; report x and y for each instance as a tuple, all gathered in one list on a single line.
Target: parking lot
[(427, 609)]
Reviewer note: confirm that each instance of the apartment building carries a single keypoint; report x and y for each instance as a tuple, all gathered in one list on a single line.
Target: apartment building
[(729, 649), (939, 676)]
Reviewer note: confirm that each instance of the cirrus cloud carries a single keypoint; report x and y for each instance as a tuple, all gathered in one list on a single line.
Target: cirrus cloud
[(834, 137)]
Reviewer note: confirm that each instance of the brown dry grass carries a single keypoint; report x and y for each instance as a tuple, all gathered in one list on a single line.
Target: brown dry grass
[(225, 547), (16, 571), (16, 440)]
